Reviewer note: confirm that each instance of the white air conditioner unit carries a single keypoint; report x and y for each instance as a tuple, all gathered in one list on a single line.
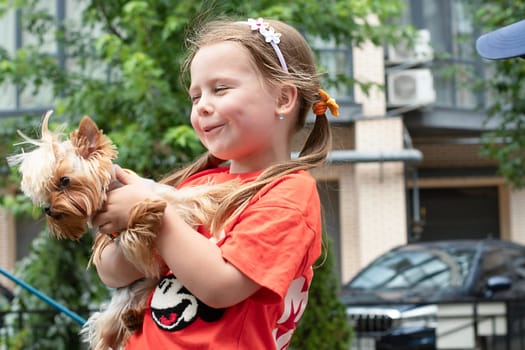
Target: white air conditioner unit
[(411, 87), (420, 52)]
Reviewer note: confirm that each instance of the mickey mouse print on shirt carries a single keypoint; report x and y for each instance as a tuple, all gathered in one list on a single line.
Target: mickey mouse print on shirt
[(173, 307)]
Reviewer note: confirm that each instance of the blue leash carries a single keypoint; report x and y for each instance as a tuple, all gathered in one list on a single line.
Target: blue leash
[(44, 297)]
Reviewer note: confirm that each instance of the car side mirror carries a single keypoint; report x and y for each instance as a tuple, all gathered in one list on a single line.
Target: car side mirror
[(496, 284)]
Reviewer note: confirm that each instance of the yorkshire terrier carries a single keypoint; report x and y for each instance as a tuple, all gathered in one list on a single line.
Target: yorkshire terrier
[(70, 179)]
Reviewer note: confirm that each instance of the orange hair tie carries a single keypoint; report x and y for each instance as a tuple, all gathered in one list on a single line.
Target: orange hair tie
[(326, 102)]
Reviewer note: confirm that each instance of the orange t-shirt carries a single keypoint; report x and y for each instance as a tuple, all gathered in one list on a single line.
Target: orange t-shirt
[(274, 241)]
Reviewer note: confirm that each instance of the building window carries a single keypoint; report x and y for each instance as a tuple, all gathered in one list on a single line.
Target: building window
[(336, 61), (456, 64), (15, 98)]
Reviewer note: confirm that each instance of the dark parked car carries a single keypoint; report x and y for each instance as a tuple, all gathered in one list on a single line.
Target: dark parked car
[(393, 302)]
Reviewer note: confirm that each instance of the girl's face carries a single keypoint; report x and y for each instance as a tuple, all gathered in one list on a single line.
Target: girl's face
[(234, 113)]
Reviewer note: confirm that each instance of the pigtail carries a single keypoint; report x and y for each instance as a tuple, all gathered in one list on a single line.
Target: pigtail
[(318, 143)]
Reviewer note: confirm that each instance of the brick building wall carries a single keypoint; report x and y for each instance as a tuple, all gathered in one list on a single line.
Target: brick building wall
[(7, 244), (379, 191), (517, 219), (372, 198)]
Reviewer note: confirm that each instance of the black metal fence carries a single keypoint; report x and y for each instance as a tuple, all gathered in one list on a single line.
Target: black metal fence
[(18, 329)]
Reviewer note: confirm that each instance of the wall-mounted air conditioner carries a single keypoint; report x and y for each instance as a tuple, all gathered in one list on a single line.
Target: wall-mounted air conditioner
[(420, 52), (410, 87)]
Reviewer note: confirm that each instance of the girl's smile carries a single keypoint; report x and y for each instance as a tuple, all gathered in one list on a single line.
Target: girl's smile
[(213, 128)]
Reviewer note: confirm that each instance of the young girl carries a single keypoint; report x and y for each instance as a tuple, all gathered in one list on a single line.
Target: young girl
[(244, 286)]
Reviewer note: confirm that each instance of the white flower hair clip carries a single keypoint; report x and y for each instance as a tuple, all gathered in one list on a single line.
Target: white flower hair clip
[(270, 36)]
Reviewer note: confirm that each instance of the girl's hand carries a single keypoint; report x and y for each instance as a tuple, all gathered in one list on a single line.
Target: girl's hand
[(114, 216)]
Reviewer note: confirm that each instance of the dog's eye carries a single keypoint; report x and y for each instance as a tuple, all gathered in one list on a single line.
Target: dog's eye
[(64, 181)]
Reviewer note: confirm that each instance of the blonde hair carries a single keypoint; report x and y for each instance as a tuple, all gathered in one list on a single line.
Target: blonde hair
[(301, 73)]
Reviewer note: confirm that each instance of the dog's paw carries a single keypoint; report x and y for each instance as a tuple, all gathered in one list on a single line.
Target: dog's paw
[(138, 241), (132, 319), (146, 218)]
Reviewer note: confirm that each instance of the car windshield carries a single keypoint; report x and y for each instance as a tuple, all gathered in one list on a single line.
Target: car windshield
[(416, 269)]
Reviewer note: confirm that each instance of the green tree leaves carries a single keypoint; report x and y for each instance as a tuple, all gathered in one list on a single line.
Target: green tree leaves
[(505, 89)]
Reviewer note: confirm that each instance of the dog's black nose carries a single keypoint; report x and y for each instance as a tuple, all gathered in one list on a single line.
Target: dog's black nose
[(51, 214)]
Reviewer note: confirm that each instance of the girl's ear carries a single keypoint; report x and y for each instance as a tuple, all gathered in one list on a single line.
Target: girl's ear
[(287, 99)]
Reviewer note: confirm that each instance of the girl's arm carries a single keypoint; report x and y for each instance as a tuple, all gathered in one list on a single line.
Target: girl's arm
[(199, 265), (114, 270)]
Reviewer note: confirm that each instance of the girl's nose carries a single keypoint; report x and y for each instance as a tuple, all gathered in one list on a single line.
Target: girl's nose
[(204, 106)]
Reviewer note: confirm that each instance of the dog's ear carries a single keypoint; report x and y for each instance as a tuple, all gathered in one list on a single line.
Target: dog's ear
[(88, 138)]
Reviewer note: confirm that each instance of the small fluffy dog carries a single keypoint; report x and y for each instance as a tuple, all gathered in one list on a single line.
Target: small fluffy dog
[(70, 179)]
